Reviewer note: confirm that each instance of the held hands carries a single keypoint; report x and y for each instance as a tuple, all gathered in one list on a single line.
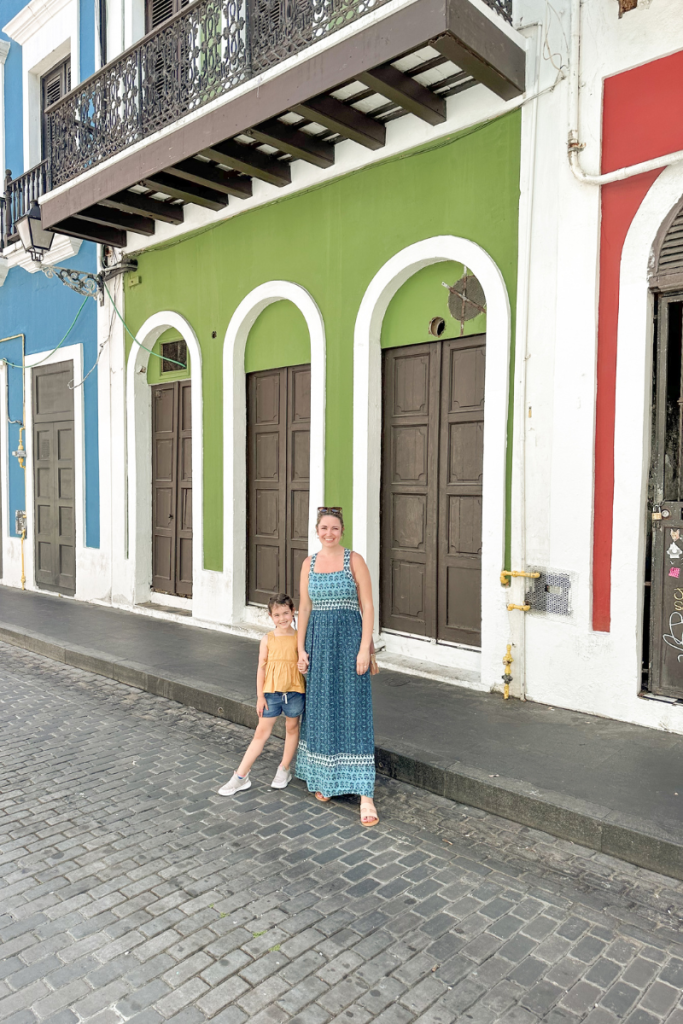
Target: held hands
[(261, 705), (363, 661), (303, 662)]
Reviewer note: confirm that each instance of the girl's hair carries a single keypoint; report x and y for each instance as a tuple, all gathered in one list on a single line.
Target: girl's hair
[(329, 511), (281, 599)]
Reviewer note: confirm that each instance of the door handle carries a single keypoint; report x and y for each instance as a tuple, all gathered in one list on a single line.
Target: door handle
[(170, 516)]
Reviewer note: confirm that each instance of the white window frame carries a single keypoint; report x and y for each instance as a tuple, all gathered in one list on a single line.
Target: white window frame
[(48, 32)]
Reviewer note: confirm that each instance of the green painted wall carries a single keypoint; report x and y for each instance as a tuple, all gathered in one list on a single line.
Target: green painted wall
[(331, 240), (278, 338), (419, 300), (155, 375)]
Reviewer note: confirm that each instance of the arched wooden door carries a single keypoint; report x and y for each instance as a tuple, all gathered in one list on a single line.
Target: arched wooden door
[(432, 475), (278, 470)]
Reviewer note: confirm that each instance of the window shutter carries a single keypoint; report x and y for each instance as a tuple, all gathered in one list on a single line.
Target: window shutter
[(671, 254), (159, 11), (56, 83)]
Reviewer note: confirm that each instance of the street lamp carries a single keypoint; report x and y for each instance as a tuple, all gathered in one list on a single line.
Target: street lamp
[(35, 239)]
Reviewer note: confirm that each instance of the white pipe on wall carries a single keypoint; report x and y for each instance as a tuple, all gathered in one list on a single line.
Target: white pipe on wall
[(515, 593), (574, 146)]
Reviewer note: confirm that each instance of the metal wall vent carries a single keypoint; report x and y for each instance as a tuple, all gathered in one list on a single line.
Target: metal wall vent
[(671, 254), (551, 592)]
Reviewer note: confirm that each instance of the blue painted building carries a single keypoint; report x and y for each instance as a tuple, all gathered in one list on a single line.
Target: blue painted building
[(51, 329)]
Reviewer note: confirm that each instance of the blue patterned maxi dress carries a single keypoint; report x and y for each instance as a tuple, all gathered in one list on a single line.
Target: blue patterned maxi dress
[(337, 747)]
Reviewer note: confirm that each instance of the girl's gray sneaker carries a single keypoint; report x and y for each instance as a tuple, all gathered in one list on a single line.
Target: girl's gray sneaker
[(283, 777), (235, 785)]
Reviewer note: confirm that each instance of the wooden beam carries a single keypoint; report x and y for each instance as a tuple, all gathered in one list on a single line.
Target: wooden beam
[(298, 144), (89, 232), (118, 219), (251, 161), (406, 92), (186, 190), (485, 47), (347, 121), (133, 202), (214, 177)]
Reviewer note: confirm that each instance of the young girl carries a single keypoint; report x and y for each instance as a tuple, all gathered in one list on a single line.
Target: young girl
[(280, 687)]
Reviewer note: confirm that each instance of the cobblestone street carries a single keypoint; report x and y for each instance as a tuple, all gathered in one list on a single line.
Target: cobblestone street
[(131, 891)]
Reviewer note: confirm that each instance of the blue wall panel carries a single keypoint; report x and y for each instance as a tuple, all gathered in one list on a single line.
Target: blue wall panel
[(87, 34), (14, 127), (43, 310)]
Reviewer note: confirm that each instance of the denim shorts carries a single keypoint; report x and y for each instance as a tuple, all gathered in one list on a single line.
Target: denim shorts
[(291, 704)]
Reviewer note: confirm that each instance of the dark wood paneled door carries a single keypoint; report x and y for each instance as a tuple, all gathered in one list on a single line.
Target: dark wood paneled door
[(53, 478), (432, 462), (278, 444), (172, 488)]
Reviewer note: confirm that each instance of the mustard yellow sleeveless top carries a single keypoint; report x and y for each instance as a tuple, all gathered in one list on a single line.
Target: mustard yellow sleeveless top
[(282, 674)]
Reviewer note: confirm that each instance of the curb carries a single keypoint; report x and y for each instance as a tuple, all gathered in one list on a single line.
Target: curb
[(591, 825)]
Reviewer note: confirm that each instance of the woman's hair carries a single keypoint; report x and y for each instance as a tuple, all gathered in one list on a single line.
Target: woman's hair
[(281, 599), (329, 511)]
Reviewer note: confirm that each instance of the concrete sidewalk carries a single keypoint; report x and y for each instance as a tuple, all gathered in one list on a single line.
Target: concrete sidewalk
[(605, 785)]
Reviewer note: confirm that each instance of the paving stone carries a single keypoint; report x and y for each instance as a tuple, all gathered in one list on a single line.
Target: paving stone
[(660, 998), (620, 998), (302, 994)]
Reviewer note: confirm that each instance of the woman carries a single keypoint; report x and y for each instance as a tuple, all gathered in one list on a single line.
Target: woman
[(337, 748)]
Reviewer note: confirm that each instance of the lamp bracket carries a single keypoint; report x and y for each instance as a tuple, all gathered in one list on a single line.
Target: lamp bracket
[(78, 280)]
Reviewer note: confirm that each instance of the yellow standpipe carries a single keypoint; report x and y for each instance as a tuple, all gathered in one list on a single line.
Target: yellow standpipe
[(507, 675)]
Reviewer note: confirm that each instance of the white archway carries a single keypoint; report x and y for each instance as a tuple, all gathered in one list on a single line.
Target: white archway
[(619, 687), (139, 437), (235, 427), (367, 430)]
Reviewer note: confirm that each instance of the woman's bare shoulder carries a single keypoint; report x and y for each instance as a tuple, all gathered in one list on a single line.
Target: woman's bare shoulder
[(357, 561)]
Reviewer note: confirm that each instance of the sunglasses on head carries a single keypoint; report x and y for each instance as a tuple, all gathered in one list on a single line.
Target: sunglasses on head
[(331, 510)]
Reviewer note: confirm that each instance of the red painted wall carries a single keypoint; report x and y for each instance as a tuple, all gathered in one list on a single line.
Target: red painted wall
[(638, 123)]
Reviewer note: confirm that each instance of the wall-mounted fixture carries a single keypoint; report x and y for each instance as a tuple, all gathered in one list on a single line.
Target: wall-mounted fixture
[(35, 239), (437, 325)]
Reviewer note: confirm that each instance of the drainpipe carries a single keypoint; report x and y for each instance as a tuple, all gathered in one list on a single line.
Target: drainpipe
[(518, 510), (574, 145)]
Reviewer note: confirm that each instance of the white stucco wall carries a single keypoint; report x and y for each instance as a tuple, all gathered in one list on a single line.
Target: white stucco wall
[(567, 664)]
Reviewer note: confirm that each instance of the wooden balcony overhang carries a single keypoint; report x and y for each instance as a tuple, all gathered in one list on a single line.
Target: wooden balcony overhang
[(213, 153)]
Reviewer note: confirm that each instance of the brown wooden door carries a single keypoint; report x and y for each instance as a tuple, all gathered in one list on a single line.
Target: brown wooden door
[(53, 476), (461, 464), (410, 488), (184, 508), (278, 443), (172, 488), (433, 414)]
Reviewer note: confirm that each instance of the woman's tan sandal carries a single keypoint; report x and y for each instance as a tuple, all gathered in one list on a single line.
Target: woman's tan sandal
[(323, 799), (368, 817)]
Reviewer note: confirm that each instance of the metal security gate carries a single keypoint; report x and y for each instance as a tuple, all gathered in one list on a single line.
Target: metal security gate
[(664, 652), (278, 468), (53, 478), (432, 473), (172, 488)]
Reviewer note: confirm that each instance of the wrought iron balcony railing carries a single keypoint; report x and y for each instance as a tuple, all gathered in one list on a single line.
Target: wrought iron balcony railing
[(20, 194), (209, 48)]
